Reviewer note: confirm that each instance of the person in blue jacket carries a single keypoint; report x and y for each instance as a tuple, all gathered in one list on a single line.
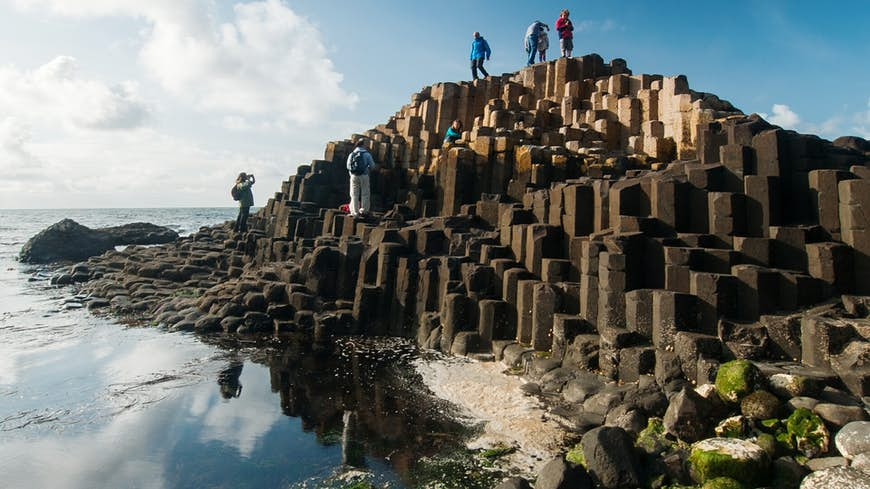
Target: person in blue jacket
[(531, 39), (479, 51)]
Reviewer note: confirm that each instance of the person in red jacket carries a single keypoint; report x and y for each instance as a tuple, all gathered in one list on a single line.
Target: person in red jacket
[(566, 33)]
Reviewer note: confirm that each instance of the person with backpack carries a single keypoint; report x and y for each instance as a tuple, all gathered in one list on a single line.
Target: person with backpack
[(566, 33), (531, 39), (241, 192), (359, 162), (479, 51)]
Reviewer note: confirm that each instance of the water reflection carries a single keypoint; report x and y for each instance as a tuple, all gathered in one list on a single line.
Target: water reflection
[(133, 420), (228, 380)]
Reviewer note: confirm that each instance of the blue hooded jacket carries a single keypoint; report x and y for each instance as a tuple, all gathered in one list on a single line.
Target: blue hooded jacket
[(480, 48)]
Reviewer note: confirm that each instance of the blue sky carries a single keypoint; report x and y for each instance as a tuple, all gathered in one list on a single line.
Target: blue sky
[(128, 103)]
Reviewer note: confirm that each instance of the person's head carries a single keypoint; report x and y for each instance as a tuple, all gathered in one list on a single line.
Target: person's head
[(476, 35), (565, 14), (457, 125), (360, 143), (242, 177)]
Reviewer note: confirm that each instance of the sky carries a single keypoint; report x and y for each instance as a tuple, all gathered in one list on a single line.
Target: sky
[(160, 103)]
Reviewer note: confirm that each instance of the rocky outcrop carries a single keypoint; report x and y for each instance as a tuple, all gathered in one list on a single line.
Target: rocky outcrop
[(68, 240), (638, 249)]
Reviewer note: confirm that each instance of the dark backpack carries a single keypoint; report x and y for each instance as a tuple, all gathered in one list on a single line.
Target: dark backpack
[(358, 163), (235, 192)]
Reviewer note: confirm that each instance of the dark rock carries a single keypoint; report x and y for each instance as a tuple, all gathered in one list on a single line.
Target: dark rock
[(853, 142), (611, 458), (760, 405), (688, 416), (69, 240), (514, 483), (583, 386), (839, 415), (559, 474), (65, 240)]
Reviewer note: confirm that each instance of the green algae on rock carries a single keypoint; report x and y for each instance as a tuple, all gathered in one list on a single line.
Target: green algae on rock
[(653, 439), (722, 483), (807, 433), (740, 460), (733, 427), (736, 379)]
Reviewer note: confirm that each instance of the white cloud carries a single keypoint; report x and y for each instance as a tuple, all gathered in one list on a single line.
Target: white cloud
[(783, 116), (267, 62), (862, 122), (54, 92)]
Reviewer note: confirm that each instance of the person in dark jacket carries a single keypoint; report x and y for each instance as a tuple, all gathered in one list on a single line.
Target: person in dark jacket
[(479, 51), (566, 33), (246, 201)]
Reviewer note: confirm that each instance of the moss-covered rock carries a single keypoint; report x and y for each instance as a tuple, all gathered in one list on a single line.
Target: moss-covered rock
[(736, 379), (575, 456), (722, 483), (807, 433), (760, 405), (653, 439), (733, 427), (740, 460)]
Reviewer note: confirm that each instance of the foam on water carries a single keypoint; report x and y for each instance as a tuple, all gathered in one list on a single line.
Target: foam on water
[(484, 394)]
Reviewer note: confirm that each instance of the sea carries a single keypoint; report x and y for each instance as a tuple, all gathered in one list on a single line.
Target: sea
[(87, 401)]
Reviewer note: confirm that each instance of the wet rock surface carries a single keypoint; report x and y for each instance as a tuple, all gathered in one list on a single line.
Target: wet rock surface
[(660, 268)]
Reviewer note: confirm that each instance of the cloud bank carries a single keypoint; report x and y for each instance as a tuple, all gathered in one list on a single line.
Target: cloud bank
[(70, 139), (266, 62)]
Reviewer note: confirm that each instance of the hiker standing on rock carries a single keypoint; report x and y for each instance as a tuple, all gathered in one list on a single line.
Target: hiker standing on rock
[(359, 162), (479, 51), (566, 33), (246, 200), (531, 39)]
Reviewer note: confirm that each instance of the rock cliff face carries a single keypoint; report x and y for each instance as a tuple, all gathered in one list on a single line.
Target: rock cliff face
[(588, 220)]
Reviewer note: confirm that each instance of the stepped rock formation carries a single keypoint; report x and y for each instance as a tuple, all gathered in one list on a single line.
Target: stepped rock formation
[(588, 219), (627, 209)]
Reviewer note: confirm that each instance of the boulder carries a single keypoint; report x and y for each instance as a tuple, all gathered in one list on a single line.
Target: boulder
[(839, 415), (740, 460), (139, 233), (559, 474), (736, 379), (760, 405), (610, 457), (836, 478), (807, 432), (68, 240), (687, 416), (853, 439)]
